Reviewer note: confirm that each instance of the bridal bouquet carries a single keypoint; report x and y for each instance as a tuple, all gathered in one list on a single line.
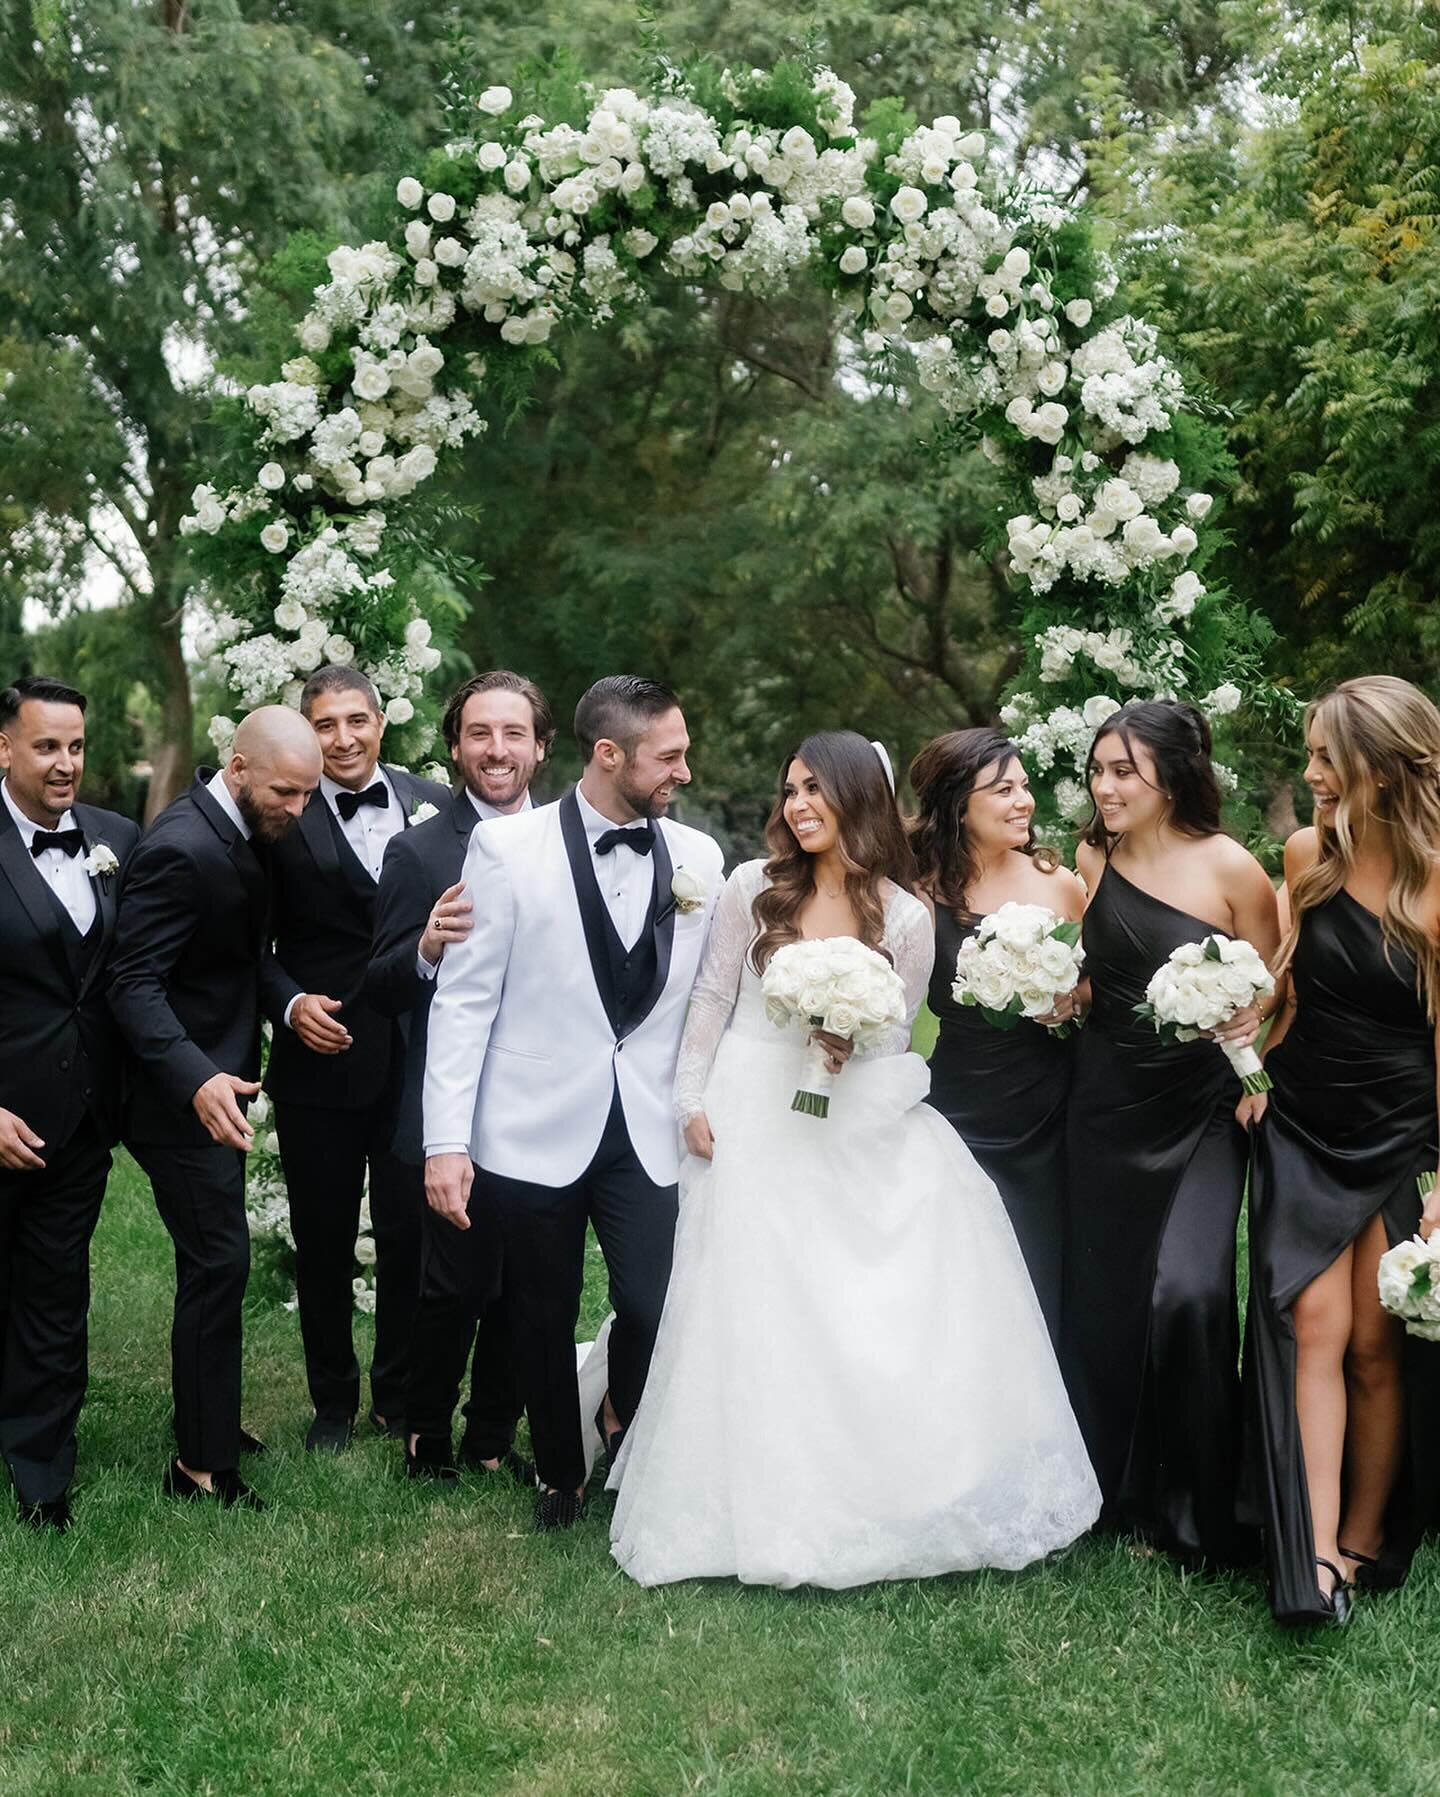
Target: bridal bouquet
[(1409, 1281), (1203, 985), (1017, 964), (837, 985)]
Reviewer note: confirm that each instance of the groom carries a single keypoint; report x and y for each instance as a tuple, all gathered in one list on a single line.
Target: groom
[(553, 1037)]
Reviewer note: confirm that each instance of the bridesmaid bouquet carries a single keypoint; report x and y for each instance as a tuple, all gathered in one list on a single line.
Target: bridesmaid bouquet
[(1410, 1285), (1203, 985), (834, 984), (1017, 964)]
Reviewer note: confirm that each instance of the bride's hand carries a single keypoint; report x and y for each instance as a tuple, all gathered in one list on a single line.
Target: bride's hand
[(698, 1138), (838, 1049)]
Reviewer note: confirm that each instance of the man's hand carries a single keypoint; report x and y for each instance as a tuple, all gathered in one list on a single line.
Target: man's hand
[(216, 1107), (313, 1021), (449, 921), (698, 1137), (18, 1143), (447, 1187)]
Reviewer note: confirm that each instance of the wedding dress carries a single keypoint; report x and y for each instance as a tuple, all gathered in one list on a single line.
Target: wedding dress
[(853, 1380)]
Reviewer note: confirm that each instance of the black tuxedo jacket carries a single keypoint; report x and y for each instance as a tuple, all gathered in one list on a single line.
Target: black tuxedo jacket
[(323, 917), (185, 971), (419, 865), (60, 1053)]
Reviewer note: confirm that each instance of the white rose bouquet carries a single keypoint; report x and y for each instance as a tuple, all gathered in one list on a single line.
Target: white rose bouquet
[(1203, 985), (1017, 964), (834, 984), (1409, 1280)]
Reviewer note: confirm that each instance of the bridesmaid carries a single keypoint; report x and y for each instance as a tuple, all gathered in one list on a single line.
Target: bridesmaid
[(1350, 1124), (1156, 1159), (1003, 1091)]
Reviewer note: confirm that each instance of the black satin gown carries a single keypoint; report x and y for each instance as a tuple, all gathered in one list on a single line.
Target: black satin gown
[(1004, 1092), (1350, 1123), (1150, 1341)]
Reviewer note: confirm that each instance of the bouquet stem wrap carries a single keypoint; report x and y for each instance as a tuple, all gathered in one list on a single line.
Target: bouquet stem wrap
[(1246, 1063), (812, 1096)]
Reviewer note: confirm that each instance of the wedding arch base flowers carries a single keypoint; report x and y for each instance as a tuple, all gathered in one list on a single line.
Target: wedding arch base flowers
[(569, 206)]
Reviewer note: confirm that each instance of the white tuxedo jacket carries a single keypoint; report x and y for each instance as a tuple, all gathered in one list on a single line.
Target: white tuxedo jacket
[(522, 1060)]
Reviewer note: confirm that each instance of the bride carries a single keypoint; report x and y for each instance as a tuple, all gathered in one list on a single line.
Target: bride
[(853, 1380)]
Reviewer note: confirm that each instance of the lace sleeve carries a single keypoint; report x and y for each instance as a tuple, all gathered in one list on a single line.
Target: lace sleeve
[(910, 938), (715, 991)]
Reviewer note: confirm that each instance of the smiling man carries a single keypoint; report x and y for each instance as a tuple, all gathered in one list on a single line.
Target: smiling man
[(336, 1064), (498, 728), (59, 1079)]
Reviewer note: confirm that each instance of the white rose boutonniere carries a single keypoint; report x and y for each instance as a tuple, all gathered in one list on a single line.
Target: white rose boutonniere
[(423, 810), (688, 891), (102, 861)]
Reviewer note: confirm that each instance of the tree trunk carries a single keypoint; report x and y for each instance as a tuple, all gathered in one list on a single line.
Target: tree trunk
[(158, 617)]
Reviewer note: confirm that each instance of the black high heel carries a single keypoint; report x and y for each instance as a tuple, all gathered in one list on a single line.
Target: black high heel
[(1338, 1597), (1374, 1574)]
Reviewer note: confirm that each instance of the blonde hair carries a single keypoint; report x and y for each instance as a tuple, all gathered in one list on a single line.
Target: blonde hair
[(1385, 728)]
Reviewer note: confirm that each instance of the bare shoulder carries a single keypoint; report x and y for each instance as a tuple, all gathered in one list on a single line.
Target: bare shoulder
[(1090, 865), (1234, 862), (1302, 850), (1064, 891)]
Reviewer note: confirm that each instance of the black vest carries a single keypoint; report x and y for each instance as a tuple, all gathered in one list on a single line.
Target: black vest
[(632, 970)]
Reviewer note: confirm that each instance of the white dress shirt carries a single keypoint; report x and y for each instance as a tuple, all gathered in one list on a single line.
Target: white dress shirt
[(372, 825), (64, 874), (428, 969), (625, 878), (224, 798)]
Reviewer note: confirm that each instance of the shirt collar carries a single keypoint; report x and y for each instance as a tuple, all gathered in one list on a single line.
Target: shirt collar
[(487, 812), (332, 790), (225, 799), (27, 825), (596, 824)]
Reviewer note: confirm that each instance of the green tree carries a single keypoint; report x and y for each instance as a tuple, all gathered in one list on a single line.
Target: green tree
[(150, 156)]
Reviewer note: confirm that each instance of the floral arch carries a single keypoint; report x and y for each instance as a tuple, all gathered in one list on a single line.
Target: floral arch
[(540, 220)]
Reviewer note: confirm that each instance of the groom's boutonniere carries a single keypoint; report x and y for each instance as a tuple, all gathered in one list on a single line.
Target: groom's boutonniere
[(688, 891), (102, 861), (424, 810)]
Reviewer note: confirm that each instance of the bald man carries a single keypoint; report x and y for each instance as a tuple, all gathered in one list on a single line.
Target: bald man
[(184, 988)]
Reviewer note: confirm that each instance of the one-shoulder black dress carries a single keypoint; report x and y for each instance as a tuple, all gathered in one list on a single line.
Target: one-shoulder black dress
[(1150, 1339), (1350, 1124), (1005, 1092)]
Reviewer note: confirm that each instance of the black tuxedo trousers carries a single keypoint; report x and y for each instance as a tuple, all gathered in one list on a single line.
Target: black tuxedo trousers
[(542, 1233)]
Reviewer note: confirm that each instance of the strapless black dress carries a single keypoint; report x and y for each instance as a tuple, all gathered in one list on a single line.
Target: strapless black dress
[(1150, 1339), (1350, 1123), (1005, 1092)]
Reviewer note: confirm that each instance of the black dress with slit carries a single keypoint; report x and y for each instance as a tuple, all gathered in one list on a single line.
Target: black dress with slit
[(1005, 1093), (1150, 1339), (1350, 1124)]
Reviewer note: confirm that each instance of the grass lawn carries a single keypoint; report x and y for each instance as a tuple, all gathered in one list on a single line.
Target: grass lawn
[(365, 1636)]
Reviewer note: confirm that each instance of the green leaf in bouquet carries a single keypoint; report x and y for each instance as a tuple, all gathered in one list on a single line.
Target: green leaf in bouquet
[(1068, 933), (1006, 1019), (1212, 950)]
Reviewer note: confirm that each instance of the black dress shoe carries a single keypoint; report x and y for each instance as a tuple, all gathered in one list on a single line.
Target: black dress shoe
[(329, 1434), (472, 1459), (431, 1460), (392, 1427), (51, 1513), (251, 1444), (558, 1510), (226, 1488)]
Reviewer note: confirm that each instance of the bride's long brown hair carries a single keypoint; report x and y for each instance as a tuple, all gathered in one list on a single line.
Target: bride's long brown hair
[(870, 836), (1383, 727)]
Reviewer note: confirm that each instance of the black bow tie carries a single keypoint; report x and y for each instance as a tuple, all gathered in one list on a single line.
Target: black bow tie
[(69, 842), (641, 840), (348, 803)]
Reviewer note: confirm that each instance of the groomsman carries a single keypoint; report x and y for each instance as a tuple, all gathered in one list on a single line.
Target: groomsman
[(551, 1059), (498, 728), (336, 1063), (59, 1079), (185, 989)]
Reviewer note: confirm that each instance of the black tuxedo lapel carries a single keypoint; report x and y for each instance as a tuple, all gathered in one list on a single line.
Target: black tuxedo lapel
[(408, 792), (241, 850), (103, 886), (343, 860), (318, 836), (592, 906), (42, 907), (661, 924)]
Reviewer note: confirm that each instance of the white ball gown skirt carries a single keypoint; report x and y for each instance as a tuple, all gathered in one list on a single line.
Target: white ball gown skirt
[(853, 1380)]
